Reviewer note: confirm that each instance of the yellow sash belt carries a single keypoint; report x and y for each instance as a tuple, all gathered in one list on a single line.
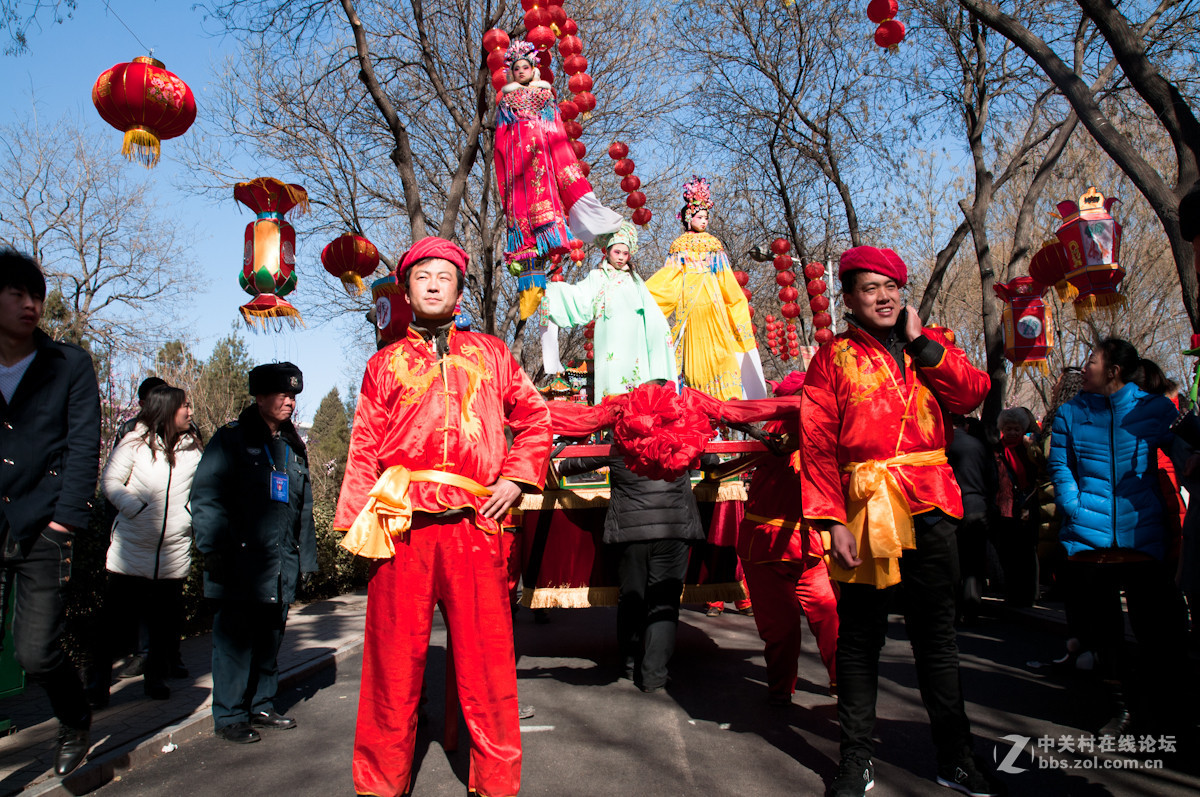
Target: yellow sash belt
[(388, 512), (880, 518)]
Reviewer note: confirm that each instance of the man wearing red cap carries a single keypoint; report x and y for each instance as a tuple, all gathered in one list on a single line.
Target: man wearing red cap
[(783, 559), (874, 472), (428, 479)]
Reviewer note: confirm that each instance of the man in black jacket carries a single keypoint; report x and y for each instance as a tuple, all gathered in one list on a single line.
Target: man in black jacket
[(252, 516), (49, 461), (653, 523)]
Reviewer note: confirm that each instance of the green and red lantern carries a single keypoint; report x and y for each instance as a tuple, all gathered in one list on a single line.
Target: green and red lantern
[(269, 266)]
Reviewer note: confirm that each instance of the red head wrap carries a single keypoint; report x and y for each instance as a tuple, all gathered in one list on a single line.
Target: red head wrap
[(879, 261), (434, 247)]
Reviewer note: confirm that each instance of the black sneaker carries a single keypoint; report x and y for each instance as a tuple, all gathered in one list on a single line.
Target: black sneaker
[(969, 779), (854, 779)]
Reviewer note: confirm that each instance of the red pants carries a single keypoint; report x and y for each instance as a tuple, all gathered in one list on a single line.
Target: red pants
[(466, 570), (784, 593)]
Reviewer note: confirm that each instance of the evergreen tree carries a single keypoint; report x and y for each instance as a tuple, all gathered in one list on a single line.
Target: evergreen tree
[(222, 391), (328, 446)]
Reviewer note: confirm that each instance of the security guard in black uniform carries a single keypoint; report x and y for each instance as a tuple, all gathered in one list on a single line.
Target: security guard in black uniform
[(252, 515)]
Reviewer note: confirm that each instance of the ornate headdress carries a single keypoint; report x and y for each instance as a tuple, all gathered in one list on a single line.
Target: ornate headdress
[(520, 50), (625, 234), (696, 197)]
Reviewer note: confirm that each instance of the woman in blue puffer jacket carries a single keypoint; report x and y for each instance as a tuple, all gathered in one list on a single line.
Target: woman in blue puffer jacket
[(1103, 462)]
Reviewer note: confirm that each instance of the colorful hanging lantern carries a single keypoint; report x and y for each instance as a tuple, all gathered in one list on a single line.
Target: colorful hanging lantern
[(269, 268), (392, 310), (1092, 239), (1028, 323), (147, 102), (351, 258)]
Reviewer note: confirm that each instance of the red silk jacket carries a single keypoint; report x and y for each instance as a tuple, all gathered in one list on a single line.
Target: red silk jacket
[(448, 415), (859, 407), (773, 529)]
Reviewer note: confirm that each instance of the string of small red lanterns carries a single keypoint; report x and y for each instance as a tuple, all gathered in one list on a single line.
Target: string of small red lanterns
[(784, 278), (818, 302), (630, 183), (891, 31)]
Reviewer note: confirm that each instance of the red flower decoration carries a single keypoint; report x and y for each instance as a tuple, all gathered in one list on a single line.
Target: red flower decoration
[(658, 434)]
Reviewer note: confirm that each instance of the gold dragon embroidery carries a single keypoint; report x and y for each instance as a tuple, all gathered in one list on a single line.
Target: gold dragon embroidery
[(865, 382), (417, 383)]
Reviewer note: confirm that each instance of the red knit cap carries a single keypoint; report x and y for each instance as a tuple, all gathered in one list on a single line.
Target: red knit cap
[(434, 247), (879, 261)]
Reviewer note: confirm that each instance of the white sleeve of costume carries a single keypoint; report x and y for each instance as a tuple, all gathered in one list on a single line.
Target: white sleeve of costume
[(550, 359), (588, 218), (754, 384)]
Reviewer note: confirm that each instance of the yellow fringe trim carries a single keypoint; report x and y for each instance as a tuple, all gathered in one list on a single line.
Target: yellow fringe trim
[(696, 242), (1042, 366), (352, 283), (142, 145), (1110, 302), (586, 597), (276, 318)]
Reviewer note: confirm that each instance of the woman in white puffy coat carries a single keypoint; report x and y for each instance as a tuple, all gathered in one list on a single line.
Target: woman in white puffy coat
[(149, 479)]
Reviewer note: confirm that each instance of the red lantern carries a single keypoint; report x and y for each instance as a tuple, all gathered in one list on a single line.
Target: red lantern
[(782, 263), (618, 150), (543, 58), (814, 270), (623, 167), (557, 18), (823, 336), (392, 310), (784, 278), (642, 216), (822, 320), (785, 356), (770, 319), (569, 27), (536, 17), (794, 351), (495, 61), (574, 64), (499, 79), (529, 4), (818, 303), (574, 130), (1092, 239), (747, 293), (546, 74), (790, 310), (580, 149), (772, 335), (635, 200), (495, 39), (577, 255), (742, 278), (881, 10), (630, 183), (569, 46), (816, 287), (587, 168), (788, 294), (269, 266), (580, 83), (147, 102), (781, 246), (541, 37), (351, 258), (1028, 323), (889, 34), (585, 100)]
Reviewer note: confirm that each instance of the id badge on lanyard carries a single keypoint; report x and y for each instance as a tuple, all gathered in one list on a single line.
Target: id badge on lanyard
[(279, 479)]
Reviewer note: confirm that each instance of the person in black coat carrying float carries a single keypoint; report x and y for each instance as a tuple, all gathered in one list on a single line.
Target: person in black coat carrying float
[(252, 516)]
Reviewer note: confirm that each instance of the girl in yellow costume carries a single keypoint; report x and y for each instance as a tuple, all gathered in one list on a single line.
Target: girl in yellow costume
[(714, 340)]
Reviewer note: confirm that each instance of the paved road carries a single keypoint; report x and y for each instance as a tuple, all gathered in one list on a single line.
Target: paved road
[(711, 733)]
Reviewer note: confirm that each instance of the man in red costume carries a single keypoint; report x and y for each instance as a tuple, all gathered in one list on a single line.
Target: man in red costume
[(874, 431), (428, 479), (783, 559)]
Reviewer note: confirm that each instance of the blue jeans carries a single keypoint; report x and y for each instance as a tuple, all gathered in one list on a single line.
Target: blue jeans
[(37, 571)]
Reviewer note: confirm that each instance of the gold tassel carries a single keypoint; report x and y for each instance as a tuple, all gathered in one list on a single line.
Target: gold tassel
[(1109, 302), (353, 283), (275, 317), (142, 145), (531, 300)]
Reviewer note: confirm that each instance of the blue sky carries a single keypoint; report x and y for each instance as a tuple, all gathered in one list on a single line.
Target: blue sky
[(57, 74)]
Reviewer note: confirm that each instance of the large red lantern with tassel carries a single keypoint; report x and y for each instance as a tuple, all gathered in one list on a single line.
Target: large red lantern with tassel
[(1028, 323), (351, 258), (269, 265), (147, 102)]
